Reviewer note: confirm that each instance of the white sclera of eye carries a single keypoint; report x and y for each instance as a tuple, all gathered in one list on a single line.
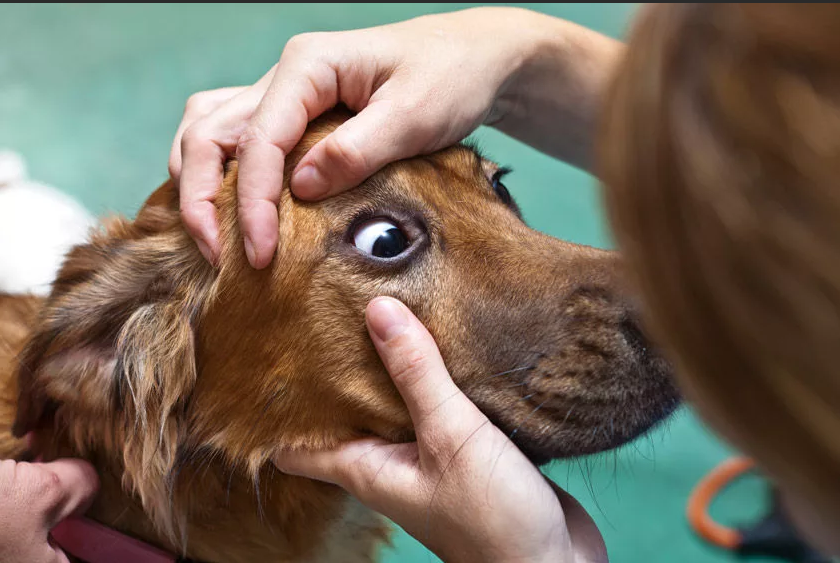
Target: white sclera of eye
[(367, 235)]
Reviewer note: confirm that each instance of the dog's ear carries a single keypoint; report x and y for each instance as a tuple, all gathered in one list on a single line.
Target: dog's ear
[(113, 355)]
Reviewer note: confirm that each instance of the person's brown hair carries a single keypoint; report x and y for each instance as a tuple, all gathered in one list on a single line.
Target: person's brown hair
[(720, 157)]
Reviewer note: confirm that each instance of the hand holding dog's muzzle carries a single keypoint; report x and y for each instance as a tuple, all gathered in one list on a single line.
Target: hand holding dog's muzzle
[(463, 489)]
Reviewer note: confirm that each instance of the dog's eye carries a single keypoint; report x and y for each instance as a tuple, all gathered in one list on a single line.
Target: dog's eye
[(500, 189), (380, 238)]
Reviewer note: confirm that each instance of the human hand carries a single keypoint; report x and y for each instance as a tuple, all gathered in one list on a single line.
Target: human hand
[(418, 86), (34, 498), (463, 489)]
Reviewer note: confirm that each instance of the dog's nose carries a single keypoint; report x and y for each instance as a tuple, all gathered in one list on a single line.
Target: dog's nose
[(634, 335)]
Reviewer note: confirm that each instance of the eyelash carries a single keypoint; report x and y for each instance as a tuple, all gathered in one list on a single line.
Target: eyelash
[(499, 174)]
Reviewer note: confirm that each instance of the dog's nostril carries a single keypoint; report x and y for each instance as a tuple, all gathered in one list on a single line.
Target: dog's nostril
[(633, 335)]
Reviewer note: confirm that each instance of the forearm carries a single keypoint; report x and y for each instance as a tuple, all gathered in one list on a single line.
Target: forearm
[(551, 101)]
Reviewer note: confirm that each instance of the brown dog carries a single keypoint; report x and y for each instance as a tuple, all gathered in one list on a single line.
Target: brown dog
[(179, 381)]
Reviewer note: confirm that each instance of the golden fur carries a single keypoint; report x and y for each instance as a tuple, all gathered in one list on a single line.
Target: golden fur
[(179, 381)]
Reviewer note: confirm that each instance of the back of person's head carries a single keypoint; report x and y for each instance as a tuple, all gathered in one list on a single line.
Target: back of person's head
[(720, 156)]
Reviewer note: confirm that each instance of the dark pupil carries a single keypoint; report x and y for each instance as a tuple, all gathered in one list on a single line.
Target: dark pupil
[(502, 192), (389, 244)]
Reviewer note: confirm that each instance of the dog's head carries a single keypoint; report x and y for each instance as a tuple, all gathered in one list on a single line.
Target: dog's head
[(144, 344)]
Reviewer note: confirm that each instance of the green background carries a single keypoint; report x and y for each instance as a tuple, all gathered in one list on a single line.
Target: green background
[(92, 94)]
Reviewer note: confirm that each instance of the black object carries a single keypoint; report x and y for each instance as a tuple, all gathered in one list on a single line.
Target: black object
[(775, 536)]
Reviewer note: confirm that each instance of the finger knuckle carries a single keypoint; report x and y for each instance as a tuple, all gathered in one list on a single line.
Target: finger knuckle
[(247, 204), (353, 482), (43, 483), (301, 43), (174, 167), (413, 104), (190, 216), (191, 139), (196, 103), (253, 135), (202, 103), (409, 366), (427, 128), (345, 153), (359, 479)]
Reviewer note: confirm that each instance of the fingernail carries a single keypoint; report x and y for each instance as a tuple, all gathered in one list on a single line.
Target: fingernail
[(387, 318), (250, 252), (205, 250), (309, 183)]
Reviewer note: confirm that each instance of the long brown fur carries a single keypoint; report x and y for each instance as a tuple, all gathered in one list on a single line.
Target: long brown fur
[(17, 315), (180, 381)]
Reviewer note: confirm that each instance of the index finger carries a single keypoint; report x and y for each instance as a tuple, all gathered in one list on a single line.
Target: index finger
[(205, 146), (295, 97), (198, 188)]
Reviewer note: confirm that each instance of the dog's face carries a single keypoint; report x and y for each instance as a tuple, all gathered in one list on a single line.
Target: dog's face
[(538, 332), (146, 341)]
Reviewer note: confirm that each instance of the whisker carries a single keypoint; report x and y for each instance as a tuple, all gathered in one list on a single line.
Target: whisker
[(652, 449), (568, 414), (586, 476), (538, 353), (526, 397), (615, 474), (527, 418), (635, 444)]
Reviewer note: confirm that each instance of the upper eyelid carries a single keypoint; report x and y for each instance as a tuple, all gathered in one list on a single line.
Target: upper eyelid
[(501, 172)]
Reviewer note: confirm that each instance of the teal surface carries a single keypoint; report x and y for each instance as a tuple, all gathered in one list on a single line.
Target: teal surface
[(92, 94)]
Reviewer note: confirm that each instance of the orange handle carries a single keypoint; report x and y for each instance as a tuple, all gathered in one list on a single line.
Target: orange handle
[(705, 492)]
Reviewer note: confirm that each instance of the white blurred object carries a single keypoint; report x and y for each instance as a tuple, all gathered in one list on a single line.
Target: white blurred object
[(38, 226)]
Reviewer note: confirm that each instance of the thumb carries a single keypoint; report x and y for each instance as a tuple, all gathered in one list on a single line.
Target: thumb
[(412, 358), (358, 148), (77, 484)]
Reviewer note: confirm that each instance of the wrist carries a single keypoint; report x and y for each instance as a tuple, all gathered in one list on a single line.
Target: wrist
[(561, 74), (553, 545), (532, 39)]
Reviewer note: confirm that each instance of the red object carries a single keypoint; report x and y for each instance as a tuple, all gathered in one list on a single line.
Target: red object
[(94, 543)]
